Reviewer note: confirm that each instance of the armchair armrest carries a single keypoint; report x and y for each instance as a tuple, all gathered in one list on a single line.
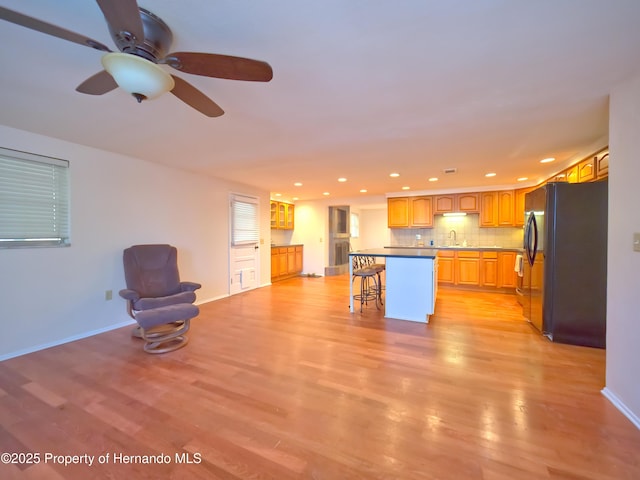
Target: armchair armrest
[(129, 294), (189, 286)]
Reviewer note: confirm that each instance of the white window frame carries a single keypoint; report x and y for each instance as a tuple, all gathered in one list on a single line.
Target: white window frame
[(355, 225), (34, 200), (245, 213)]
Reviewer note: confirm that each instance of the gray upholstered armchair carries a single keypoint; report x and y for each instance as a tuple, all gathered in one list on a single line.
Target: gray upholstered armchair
[(157, 300)]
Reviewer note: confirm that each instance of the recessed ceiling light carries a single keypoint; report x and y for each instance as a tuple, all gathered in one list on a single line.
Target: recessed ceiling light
[(394, 174), (433, 179), (491, 174), (297, 184), (326, 193), (547, 160), (364, 190), (405, 188), (278, 194), (295, 198), (522, 179), (342, 179)]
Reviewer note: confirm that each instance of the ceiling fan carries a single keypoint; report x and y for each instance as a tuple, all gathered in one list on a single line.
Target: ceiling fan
[(143, 41)]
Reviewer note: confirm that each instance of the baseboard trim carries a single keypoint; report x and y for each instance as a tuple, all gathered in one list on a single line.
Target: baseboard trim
[(73, 338), (613, 398)]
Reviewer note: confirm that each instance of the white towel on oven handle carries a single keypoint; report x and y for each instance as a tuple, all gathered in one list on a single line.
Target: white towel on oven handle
[(519, 267)]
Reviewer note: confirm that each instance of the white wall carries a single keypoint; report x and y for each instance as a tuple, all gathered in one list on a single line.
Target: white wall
[(52, 295), (623, 276), (312, 228)]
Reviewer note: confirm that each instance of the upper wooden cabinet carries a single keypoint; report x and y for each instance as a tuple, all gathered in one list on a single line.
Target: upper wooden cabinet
[(587, 170), (282, 215), (398, 212), (444, 203), (415, 212), (461, 202), (421, 212), (489, 209), (506, 208), (572, 174), (518, 203), (497, 209), (602, 165)]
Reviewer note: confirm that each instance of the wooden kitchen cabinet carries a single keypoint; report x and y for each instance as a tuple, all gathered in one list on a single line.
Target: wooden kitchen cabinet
[(587, 170), (518, 203), (282, 215), (489, 269), (461, 202), (398, 212), (286, 262), (602, 165), (274, 214), (571, 174), (488, 209), (497, 209), (444, 203), (477, 268), (507, 276), (506, 208), (467, 268), (421, 212), (415, 212), (468, 202), (446, 260)]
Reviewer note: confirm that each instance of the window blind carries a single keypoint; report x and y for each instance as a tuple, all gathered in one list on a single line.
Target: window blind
[(34, 200), (244, 220)]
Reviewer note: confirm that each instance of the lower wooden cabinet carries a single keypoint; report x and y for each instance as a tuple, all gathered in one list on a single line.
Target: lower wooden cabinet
[(468, 267), (286, 262), (477, 268), (489, 269), (507, 276), (446, 269)]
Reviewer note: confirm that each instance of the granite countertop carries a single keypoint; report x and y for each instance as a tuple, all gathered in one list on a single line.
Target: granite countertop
[(398, 252), (460, 247)]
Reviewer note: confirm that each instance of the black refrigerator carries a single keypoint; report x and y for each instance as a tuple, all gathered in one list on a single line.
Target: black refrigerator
[(565, 262)]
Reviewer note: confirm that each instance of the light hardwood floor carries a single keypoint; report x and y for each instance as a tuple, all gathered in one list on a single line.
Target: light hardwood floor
[(284, 383)]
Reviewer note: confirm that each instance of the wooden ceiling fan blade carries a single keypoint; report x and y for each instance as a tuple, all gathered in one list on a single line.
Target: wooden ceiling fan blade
[(195, 98), (98, 84), (123, 16), (220, 66), (50, 29)]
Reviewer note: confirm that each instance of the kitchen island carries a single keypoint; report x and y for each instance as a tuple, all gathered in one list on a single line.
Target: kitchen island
[(411, 281)]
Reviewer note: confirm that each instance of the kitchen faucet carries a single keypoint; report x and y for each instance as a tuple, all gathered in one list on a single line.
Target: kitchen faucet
[(453, 233)]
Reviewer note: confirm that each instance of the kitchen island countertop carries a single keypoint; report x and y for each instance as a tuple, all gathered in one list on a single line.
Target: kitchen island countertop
[(398, 252)]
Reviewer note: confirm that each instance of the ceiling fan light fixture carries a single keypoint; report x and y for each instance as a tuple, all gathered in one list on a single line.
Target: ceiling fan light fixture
[(137, 76)]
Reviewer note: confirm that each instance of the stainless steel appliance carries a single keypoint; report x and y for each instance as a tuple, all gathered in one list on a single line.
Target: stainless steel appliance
[(565, 267)]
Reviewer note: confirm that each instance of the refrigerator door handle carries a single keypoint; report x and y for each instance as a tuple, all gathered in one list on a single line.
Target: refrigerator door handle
[(527, 239), (535, 238)]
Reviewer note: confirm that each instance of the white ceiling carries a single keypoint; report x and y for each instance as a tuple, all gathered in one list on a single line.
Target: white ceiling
[(361, 88)]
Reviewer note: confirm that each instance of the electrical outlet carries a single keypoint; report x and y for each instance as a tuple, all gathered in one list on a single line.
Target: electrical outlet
[(108, 294)]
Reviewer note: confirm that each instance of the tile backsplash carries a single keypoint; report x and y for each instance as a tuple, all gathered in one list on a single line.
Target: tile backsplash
[(466, 228)]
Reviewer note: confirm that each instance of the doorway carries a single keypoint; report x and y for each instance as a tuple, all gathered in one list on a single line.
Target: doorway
[(244, 251)]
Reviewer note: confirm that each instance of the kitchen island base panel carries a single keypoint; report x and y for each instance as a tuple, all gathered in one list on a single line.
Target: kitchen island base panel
[(411, 281), (410, 289)]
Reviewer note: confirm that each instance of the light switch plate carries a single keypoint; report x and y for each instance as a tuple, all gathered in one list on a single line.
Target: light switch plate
[(636, 242)]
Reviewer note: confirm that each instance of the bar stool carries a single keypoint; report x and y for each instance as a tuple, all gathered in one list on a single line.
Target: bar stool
[(370, 262), (369, 284)]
